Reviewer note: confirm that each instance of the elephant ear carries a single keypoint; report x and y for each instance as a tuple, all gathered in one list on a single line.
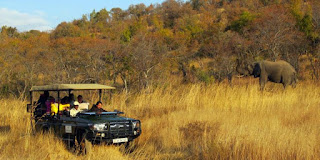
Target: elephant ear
[(256, 70)]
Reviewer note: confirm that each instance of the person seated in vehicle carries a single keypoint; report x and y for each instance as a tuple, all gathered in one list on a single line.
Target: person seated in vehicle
[(75, 110), (83, 105), (49, 102), (63, 106), (97, 108), (71, 99), (43, 97), (41, 104), (80, 99)]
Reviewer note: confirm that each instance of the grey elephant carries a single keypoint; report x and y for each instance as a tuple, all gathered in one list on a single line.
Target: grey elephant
[(277, 72)]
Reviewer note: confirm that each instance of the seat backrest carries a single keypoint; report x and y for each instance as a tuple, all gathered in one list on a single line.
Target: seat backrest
[(83, 106)]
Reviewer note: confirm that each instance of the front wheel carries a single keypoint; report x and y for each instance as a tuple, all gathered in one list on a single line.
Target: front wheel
[(84, 146), (69, 141)]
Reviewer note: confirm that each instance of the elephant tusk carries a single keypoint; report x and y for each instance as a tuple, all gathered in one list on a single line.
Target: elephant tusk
[(240, 76)]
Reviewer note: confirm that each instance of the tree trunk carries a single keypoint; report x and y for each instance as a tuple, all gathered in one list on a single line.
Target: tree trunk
[(314, 69)]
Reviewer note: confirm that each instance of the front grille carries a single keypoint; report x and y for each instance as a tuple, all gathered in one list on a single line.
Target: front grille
[(120, 128)]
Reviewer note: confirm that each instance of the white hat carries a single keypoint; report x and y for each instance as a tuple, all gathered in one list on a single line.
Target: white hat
[(76, 103)]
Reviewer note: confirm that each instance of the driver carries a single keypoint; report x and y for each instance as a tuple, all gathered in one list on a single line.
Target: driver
[(97, 107)]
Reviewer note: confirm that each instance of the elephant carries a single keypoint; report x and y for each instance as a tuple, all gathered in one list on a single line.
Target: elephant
[(277, 72)]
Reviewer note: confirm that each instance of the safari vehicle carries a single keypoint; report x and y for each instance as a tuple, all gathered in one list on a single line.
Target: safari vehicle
[(86, 128)]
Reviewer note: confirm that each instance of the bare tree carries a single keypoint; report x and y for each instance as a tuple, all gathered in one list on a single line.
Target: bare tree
[(275, 35), (146, 55)]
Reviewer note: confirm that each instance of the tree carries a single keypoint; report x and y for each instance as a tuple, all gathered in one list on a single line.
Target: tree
[(171, 10), (10, 32), (245, 19), (304, 19), (137, 11), (65, 29), (117, 14), (146, 53), (119, 63), (275, 35)]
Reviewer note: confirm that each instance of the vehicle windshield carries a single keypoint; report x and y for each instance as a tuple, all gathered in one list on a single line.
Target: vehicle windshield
[(95, 114), (98, 113)]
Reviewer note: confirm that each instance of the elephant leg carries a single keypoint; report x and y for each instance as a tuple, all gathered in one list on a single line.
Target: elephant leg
[(262, 82), (294, 84), (284, 85), (262, 86)]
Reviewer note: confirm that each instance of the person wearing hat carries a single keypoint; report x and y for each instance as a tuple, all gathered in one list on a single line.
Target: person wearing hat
[(75, 109)]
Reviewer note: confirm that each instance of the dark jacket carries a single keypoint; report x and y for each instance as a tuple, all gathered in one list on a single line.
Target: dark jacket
[(96, 109)]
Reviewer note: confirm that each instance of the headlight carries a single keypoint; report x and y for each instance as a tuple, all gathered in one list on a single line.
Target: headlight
[(136, 124), (99, 127)]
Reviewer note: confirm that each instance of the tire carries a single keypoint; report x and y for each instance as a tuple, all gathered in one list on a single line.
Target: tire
[(84, 146), (70, 142)]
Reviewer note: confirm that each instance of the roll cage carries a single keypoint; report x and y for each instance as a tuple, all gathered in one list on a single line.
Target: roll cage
[(64, 87)]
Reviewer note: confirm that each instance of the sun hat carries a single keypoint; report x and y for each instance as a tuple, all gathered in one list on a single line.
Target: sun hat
[(76, 103)]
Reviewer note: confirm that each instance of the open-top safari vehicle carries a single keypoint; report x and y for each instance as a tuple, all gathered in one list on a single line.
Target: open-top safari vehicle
[(86, 128)]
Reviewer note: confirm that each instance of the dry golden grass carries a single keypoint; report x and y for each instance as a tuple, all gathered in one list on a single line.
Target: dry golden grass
[(192, 122)]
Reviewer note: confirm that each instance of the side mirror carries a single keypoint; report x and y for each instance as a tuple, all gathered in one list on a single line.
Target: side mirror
[(29, 108)]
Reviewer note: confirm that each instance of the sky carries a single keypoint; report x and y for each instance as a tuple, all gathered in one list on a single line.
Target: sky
[(45, 15)]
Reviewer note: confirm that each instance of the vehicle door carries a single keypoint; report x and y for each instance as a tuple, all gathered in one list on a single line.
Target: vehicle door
[(67, 125)]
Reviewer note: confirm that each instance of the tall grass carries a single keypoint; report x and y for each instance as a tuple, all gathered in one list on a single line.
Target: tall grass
[(192, 122)]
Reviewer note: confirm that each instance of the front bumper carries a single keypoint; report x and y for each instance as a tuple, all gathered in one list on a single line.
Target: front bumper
[(109, 137), (115, 132)]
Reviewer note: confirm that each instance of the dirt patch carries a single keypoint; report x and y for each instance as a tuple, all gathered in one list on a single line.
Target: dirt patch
[(5, 129)]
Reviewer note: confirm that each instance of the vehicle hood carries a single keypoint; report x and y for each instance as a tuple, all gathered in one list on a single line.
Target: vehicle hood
[(105, 118)]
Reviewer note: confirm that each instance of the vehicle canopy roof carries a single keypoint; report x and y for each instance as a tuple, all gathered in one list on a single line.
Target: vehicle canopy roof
[(66, 87)]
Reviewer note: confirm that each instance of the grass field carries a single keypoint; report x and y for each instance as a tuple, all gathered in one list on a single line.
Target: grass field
[(191, 122)]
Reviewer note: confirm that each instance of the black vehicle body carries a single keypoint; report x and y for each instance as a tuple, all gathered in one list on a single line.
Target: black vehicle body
[(110, 127), (92, 127)]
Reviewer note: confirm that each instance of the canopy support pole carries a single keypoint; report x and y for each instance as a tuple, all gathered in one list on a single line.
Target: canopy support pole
[(58, 104)]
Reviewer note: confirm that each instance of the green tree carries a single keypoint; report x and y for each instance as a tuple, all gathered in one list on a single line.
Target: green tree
[(118, 14), (304, 19), (138, 10), (244, 20), (65, 29), (9, 32)]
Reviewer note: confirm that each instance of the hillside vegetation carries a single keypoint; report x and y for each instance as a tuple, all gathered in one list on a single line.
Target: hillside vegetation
[(169, 63), (191, 122), (144, 46)]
